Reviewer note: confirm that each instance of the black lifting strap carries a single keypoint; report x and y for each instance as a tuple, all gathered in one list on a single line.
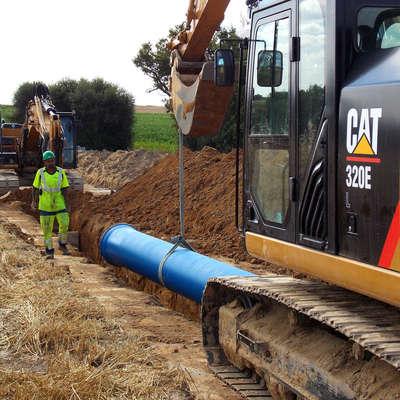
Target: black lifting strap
[(180, 239)]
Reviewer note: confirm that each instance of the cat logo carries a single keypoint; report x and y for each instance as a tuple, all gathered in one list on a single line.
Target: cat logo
[(363, 135)]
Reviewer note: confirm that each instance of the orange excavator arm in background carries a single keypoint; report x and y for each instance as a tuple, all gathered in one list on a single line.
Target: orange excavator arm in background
[(42, 130), (199, 105)]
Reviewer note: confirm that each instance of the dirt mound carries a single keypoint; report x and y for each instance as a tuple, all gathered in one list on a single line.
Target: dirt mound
[(150, 203), (114, 169)]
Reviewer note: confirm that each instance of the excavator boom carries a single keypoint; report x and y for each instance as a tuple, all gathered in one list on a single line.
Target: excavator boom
[(42, 131), (203, 18)]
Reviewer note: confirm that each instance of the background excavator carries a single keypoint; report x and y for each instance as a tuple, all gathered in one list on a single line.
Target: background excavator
[(22, 145), (321, 190)]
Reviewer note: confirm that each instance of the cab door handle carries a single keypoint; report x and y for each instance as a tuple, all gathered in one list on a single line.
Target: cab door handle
[(293, 189), (295, 53)]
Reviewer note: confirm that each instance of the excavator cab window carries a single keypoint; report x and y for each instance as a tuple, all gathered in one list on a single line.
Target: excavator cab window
[(268, 143), (389, 33), (224, 67), (378, 28), (69, 149)]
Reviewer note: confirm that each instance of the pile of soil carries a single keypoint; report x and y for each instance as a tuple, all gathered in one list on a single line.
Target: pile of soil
[(151, 204), (112, 170)]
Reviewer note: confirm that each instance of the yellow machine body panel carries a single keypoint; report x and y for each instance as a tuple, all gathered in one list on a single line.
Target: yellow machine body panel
[(379, 283)]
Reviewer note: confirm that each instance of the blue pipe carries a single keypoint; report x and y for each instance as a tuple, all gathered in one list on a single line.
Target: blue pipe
[(184, 272)]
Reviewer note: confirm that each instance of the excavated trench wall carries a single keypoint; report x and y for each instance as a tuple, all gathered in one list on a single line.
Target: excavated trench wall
[(90, 227), (150, 204)]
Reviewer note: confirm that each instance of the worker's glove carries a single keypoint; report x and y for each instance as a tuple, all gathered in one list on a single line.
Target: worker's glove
[(33, 206)]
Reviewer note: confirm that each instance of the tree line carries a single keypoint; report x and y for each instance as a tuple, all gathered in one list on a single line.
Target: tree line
[(104, 110)]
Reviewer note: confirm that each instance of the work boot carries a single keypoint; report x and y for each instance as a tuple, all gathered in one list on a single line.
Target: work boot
[(64, 249), (49, 254)]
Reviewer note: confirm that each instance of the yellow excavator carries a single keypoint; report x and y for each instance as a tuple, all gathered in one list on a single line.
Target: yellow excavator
[(321, 189), (22, 145)]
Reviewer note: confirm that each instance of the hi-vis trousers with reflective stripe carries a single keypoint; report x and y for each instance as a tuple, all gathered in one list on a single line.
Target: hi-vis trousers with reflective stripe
[(47, 223)]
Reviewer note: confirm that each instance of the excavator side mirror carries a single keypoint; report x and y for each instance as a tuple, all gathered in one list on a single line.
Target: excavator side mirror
[(269, 68), (224, 71)]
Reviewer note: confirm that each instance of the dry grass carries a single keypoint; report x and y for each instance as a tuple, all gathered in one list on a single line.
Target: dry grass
[(56, 343)]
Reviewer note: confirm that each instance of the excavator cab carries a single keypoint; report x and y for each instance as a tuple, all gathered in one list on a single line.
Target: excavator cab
[(320, 138), (320, 132), (69, 149)]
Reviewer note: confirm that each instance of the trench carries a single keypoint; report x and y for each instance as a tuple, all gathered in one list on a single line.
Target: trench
[(90, 231), (90, 227), (174, 336), (90, 220)]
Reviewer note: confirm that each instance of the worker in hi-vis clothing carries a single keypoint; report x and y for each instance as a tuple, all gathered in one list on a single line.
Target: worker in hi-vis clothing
[(49, 195)]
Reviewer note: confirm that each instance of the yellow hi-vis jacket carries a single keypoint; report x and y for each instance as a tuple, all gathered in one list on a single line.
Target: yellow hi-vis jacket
[(51, 198)]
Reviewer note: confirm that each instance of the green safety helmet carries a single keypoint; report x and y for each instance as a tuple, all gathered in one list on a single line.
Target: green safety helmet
[(48, 155)]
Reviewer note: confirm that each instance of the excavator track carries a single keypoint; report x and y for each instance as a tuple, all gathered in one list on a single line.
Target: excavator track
[(9, 181), (76, 181), (235, 315), (248, 384)]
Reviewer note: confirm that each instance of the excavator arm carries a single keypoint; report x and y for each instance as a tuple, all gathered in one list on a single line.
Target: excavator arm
[(203, 19), (198, 104), (42, 130)]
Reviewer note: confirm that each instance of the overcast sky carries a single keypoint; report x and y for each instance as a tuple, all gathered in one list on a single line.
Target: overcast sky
[(52, 39)]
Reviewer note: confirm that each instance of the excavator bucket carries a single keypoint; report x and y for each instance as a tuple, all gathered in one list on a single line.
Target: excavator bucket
[(199, 105)]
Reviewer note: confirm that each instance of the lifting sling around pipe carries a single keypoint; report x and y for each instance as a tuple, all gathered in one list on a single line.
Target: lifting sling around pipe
[(184, 272)]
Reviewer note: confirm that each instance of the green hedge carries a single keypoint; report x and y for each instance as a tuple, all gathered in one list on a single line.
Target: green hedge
[(105, 110)]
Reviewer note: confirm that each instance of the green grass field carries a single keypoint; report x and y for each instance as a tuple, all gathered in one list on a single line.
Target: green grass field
[(155, 132), (7, 113)]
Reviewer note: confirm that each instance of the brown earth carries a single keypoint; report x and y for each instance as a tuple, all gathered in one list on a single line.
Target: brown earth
[(150, 203), (72, 330), (112, 170)]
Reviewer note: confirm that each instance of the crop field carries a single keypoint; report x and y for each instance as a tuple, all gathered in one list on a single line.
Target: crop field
[(155, 131), (7, 113)]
